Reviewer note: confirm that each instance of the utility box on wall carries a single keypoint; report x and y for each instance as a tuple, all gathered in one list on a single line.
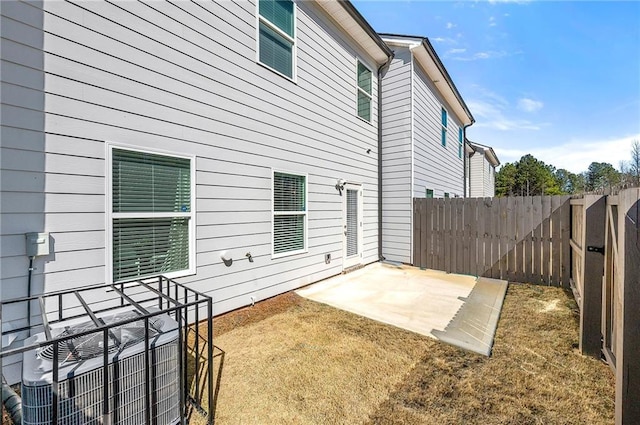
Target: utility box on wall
[(37, 244)]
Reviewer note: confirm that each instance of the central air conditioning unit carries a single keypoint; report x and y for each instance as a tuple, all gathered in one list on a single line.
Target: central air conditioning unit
[(80, 373)]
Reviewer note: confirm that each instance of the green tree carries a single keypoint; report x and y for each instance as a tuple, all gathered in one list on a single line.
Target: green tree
[(568, 182), (506, 180), (634, 164), (601, 175), (527, 177)]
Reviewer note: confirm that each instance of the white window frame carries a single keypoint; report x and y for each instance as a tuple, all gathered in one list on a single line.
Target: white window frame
[(304, 213), (293, 40), (110, 215), (370, 96)]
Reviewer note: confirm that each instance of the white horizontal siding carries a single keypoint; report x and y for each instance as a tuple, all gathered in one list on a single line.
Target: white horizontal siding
[(436, 167), (396, 159), (179, 77)]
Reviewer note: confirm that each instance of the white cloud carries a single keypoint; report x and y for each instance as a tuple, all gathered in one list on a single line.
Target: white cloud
[(492, 21), (493, 111), (576, 155), (509, 1), (443, 40), (450, 25), (489, 54), (493, 115), (456, 51), (529, 105)]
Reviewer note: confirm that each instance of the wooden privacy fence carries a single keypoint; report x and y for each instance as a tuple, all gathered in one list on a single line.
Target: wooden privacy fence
[(519, 239), (605, 279)]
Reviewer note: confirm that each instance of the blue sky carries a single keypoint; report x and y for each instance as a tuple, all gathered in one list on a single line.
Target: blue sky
[(559, 80)]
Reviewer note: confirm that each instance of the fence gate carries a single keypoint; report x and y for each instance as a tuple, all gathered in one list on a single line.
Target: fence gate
[(621, 301)]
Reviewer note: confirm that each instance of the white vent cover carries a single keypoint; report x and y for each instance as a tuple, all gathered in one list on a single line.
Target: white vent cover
[(80, 374)]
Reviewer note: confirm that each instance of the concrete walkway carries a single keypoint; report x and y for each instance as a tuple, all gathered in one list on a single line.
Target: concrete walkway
[(460, 310)]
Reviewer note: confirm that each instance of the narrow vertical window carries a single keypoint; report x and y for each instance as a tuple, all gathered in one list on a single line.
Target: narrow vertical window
[(289, 213), (152, 221), (444, 126), (276, 35), (364, 92), (460, 142)]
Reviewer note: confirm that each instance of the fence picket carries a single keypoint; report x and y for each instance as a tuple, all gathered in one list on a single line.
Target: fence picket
[(536, 236), (511, 239), (495, 239), (546, 238), (555, 240), (565, 234), (503, 233), (447, 235)]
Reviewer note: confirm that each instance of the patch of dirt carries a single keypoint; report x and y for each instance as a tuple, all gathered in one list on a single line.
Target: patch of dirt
[(253, 314)]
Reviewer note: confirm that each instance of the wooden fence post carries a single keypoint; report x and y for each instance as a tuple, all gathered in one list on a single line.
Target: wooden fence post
[(628, 343), (593, 270)]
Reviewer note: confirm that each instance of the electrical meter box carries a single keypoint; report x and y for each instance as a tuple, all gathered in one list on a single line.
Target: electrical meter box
[(37, 244)]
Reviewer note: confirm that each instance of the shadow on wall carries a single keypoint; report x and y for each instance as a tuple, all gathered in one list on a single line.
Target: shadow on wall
[(22, 165)]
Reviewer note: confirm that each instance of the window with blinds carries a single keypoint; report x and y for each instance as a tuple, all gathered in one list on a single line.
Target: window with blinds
[(364, 78), (276, 35), (289, 213), (151, 216), (352, 222)]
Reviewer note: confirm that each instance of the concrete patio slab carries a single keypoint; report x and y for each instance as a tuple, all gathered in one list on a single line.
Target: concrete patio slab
[(457, 309)]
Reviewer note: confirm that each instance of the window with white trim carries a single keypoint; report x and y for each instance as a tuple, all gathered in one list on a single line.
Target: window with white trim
[(289, 213), (152, 218), (364, 89), (444, 126), (276, 35), (460, 143), (429, 193)]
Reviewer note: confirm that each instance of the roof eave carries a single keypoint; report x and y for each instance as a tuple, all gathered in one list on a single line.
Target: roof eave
[(433, 66), (347, 17)]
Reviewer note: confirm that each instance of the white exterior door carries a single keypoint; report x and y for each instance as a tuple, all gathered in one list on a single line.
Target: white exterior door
[(352, 213)]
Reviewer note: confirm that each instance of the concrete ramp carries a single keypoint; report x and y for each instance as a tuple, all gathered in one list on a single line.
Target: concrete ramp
[(474, 326), (460, 310)]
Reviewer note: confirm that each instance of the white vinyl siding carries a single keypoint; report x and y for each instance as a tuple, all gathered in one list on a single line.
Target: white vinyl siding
[(481, 176), (178, 77), (416, 131), (152, 216), (276, 35), (289, 214), (396, 159), (364, 89)]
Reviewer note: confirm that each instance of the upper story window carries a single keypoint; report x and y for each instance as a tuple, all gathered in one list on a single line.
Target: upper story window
[(460, 142), (151, 215), (289, 213), (364, 97), (276, 35), (444, 126)]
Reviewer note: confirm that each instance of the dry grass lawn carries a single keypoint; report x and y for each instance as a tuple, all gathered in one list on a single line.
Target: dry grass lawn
[(289, 360)]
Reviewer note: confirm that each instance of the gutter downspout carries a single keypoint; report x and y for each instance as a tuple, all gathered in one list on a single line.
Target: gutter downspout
[(464, 157), (381, 70)]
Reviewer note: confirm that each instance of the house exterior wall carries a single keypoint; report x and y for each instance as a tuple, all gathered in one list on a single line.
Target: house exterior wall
[(482, 176), (436, 167), (76, 77), (413, 156), (397, 158)]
